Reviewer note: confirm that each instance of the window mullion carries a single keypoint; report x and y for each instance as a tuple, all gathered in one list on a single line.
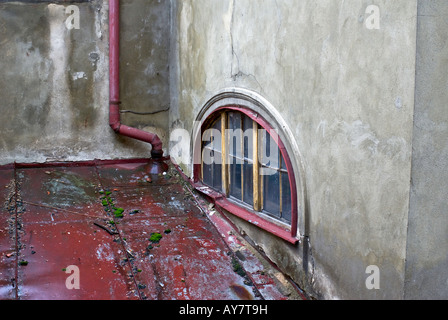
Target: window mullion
[(224, 155), (281, 193), (260, 157), (242, 156), (256, 168), (280, 170)]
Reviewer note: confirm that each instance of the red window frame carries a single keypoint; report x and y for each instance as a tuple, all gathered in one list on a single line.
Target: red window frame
[(220, 200)]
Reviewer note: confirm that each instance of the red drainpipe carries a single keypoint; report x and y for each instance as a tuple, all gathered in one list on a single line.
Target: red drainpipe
[(114, 87)]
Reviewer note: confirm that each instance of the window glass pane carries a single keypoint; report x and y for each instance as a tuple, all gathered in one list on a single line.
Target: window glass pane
[(234, 143), (271, 193), (211, 156), (217, 177), (211, 137), (235, 134), (212, 175), (283, 164), (217, 135), (208, 143), (234, 120), (235, 180), (207, 176), (217, 124), (286, 197), (248, 145), (216, 141), (248, 183), (207, 138), (248, 142), (270, 151)]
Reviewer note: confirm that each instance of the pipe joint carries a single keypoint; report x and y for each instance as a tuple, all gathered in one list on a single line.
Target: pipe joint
[(156, 154)]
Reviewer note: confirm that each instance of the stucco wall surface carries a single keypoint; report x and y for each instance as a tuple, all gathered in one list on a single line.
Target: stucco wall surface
[(427, 249), (346, 92), (54, 84)]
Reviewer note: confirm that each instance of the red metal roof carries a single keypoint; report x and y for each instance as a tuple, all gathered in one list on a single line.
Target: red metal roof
[(61, 215)]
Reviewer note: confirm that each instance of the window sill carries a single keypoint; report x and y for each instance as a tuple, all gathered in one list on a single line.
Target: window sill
[(222, 202)]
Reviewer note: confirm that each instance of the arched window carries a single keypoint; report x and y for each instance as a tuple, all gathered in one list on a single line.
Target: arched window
[(244, 160)]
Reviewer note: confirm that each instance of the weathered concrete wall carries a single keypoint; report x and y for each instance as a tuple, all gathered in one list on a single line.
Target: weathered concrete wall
[(427, 252), (145, 51), (347, 93), (54, 85)]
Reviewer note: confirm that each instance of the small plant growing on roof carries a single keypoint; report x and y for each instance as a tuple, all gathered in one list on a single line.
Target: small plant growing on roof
[(118, 212), (237, 268), (155, 237), (23, 263)]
